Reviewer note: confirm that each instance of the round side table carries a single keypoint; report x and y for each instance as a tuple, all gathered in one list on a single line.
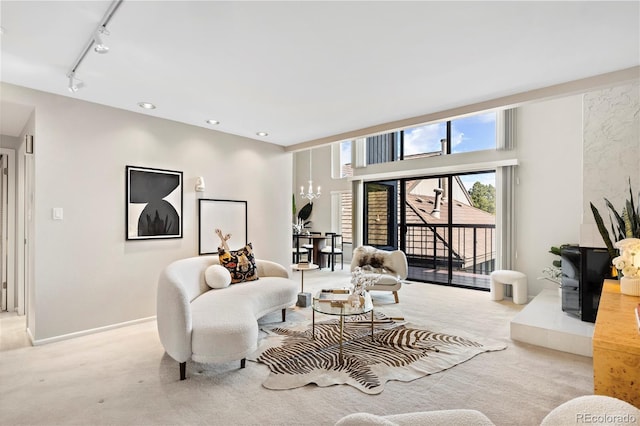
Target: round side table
[(304, 299)]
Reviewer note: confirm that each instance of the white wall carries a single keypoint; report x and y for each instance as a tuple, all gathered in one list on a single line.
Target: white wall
[(548, 195), (9, 142), (86, 275)]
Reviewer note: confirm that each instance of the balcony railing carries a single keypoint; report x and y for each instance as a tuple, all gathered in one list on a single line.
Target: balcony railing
[(472, 249)]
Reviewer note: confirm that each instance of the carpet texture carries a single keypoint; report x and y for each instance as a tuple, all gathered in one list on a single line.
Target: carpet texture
[(123, 377), (398, 351)]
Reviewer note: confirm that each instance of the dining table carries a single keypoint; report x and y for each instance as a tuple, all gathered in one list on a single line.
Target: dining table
[(319, 241)]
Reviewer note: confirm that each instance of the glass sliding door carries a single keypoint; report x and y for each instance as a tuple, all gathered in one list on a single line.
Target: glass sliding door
[(427, 229), (473, 226), (444, 224), (380, 214)]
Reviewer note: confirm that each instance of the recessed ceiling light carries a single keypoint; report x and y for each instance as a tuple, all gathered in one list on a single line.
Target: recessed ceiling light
[(213, 122), (146, 105), (262, 134)]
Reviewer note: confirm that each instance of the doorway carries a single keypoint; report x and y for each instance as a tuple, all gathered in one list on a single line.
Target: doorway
[(4, 231), (9, 300)]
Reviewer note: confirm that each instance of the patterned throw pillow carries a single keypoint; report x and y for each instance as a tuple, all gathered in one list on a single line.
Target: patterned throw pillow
[(240, 263)]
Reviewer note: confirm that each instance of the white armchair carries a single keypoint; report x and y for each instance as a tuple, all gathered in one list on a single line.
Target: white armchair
[(391, 266)]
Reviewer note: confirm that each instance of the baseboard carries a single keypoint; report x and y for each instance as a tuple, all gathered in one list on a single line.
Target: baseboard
[(31, 339), (39, 342)]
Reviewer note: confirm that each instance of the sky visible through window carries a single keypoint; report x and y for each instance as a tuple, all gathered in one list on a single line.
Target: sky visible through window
[(473, 133)]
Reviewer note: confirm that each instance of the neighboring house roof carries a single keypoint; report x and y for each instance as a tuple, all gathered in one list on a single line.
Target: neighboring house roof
[(420, 212), (462, 243)]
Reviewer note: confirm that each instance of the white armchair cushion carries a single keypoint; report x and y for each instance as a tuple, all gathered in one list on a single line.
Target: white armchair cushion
[(381, 279), (217, 276)]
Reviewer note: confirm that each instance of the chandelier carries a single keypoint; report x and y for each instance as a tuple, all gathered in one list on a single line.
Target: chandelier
[(310, 195)]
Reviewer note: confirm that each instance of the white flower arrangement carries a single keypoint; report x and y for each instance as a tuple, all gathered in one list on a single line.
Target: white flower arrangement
[(553, 274), (360, 280), (298, 226), (629, 260)]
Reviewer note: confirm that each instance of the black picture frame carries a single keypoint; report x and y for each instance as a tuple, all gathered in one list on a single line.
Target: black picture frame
[(230, 216), (153, 203)]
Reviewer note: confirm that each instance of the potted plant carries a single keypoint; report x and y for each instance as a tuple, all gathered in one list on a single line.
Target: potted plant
[(623, 243), (553, 273)]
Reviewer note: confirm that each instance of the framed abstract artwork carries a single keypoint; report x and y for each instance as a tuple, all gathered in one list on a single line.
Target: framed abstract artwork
[(153, 204), (227, 215)]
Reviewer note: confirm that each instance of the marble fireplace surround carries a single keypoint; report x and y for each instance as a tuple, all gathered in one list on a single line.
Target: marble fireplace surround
[(611, 152)]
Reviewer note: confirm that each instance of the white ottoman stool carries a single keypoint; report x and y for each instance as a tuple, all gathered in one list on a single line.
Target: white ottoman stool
[(516, 279)]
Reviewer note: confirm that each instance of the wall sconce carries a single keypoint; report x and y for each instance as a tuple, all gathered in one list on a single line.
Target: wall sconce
[(200, 184)]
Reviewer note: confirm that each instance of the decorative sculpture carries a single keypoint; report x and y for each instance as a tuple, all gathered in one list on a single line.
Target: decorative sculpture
[(223, 240)]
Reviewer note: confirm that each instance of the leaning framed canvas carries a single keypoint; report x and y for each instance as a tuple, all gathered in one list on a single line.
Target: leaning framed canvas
[(229, 216), (153, 204)]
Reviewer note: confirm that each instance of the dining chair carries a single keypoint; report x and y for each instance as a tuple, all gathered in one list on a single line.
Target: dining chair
[(309, 244), (334, 250), (298, 252)]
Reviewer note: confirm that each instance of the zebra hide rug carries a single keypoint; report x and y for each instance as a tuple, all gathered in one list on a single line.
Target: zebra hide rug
[(398, 352)]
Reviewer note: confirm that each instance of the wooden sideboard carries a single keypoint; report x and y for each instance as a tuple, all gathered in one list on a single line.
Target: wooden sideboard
[(616, 346)]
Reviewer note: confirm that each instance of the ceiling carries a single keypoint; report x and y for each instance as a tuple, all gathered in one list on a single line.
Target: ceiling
[(303, 71)]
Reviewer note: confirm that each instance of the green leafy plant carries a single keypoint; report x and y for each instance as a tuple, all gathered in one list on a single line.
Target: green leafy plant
[(554, 273), (556, 250), (623, 225), (293, 204)]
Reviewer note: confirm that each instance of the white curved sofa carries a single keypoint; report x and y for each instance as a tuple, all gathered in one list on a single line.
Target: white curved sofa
[(587, 409), (216, 325)]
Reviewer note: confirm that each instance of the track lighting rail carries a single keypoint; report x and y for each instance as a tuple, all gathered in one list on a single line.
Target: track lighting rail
[(94, 39)]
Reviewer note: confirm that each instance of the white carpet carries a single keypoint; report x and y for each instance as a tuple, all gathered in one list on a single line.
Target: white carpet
[(123, 377)]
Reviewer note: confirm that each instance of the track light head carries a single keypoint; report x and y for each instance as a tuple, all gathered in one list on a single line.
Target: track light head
[(100, 47), (74, 83)]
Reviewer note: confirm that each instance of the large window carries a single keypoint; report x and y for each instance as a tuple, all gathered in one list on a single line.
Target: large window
[(444, 222), (345, 159), (473, 133), (346, 218), (465, 134), (341, 200)]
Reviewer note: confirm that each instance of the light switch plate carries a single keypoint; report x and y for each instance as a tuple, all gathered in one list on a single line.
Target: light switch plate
[(57, 213)]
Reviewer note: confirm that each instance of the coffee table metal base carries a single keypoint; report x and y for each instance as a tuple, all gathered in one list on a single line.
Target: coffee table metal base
[(313, 331)]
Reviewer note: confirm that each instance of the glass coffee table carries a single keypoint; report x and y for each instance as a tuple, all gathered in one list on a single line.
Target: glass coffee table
[(335, 302)]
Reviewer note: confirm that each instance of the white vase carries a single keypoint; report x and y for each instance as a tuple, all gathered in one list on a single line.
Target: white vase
[(630, 286)]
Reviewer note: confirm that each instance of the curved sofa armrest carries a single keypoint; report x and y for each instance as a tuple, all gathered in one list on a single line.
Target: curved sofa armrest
[(267, 268), (173, 307)]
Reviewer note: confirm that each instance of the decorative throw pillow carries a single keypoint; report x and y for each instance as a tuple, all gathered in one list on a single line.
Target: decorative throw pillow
[(217, 276), (240, 263)]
